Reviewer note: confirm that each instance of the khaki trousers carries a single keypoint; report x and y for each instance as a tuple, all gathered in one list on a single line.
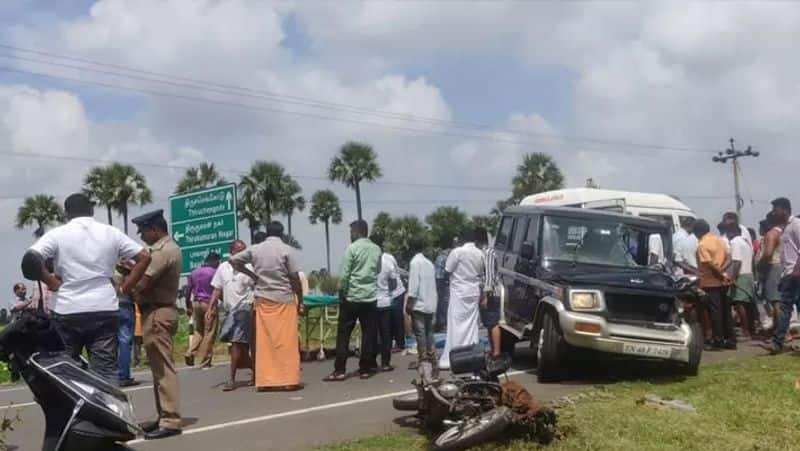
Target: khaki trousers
[(205, 333), (159, 325)]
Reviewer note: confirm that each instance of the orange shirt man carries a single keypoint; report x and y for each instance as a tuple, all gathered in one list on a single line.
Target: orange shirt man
[(712, 260)]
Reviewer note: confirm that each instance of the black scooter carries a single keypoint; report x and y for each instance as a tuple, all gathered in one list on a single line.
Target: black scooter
[(82, 411)]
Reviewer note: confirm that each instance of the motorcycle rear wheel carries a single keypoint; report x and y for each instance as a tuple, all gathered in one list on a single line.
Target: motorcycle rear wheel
[(475, 431)]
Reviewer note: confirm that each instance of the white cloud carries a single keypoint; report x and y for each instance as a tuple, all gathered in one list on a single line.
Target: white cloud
[(664, 73), (179, 35), (28, 113)]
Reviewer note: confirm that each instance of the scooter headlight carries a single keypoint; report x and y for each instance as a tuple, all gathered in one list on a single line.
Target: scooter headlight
[(123, 409)]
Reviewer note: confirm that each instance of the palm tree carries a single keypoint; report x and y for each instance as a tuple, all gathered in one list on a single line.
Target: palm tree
[(250, 210), (40, 210), (445, 224), (201, 177), (325, 208), (263, 187), (116, 186), (99, 186), (130, 187), (537, 173), (488, 222), (355, 163), (403, 231), (291, 200), (382, 224)]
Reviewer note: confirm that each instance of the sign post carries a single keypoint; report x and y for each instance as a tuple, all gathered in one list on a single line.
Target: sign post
[(203, 222)]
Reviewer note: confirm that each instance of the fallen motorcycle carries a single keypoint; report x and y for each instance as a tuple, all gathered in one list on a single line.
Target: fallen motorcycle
[(468, 405)]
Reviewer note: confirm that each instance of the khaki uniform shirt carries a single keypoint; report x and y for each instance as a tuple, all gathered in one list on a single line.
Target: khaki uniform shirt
[(165, 271)]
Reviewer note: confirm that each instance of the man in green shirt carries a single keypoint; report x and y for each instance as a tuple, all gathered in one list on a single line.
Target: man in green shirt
[(358, 297)]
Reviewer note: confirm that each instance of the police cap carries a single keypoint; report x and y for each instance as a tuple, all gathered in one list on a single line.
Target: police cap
[(148, 219)]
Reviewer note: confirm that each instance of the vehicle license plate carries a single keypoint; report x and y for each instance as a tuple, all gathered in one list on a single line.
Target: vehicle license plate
[(662, 352)]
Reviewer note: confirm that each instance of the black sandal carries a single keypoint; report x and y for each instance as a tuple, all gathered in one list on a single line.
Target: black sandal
[(335, 377), (387, 368)]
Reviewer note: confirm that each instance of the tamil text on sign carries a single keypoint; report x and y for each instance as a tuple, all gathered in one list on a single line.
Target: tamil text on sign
[(203, 222)]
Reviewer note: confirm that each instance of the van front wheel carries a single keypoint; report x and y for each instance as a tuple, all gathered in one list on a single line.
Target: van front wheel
[(552, 350), (692, 368)]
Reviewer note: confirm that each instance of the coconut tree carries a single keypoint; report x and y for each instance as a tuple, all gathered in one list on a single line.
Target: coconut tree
[(290, 200), (263, 186), (537, 173), (402, 232), (356, 163), (130, 187), (40, 210), (100, 187), (382, 224), (201, 177), (250, 210), (489, 222), (445, 224), (325, 208)]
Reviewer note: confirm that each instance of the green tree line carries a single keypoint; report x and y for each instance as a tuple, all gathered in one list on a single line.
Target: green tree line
[(267, 190)]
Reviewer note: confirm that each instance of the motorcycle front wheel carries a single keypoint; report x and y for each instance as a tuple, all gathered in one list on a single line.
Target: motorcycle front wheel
[(475, 431), (406, 403)]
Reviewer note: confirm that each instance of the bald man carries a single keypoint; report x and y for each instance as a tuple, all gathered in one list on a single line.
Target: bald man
[(236, 291)]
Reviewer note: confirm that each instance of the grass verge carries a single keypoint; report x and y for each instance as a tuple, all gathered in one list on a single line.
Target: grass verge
[(744, 405)]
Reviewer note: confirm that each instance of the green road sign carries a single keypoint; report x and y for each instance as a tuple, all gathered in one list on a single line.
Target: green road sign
[(203, 222)]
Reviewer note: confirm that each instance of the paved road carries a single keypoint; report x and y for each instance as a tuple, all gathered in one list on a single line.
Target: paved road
[(322, 413)]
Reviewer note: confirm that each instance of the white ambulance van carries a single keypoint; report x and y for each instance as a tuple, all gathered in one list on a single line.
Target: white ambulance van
[(661, 207)]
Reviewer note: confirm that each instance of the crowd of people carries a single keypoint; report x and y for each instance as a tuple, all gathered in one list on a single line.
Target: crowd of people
[(129, 294), (372, 294), (750, 281), (110, 296)]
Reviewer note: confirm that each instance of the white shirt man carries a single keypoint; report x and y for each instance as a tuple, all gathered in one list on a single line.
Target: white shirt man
[(742, 251), (684, 245), (85, 252), (745, 235), (466, 266), (237, 288), (422, 285), (84, 301), (390, 271), (422, 301)]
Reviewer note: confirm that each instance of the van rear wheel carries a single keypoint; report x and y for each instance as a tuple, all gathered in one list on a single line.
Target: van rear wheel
[(552, 350)]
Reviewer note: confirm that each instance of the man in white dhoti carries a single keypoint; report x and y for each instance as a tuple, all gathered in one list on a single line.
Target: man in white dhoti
[(466, 266)]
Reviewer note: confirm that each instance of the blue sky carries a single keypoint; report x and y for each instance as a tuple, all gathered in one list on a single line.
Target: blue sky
[(688, 75)]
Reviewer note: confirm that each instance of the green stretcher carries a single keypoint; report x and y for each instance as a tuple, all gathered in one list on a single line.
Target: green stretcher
[(322, 304)]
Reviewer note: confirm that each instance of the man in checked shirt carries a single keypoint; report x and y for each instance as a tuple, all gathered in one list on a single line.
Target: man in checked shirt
[(490, 302)]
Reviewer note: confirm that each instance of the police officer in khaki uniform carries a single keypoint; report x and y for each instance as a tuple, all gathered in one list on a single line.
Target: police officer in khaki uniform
[(156, 295)]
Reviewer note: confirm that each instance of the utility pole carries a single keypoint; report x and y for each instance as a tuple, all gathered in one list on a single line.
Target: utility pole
[(732, 154)]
